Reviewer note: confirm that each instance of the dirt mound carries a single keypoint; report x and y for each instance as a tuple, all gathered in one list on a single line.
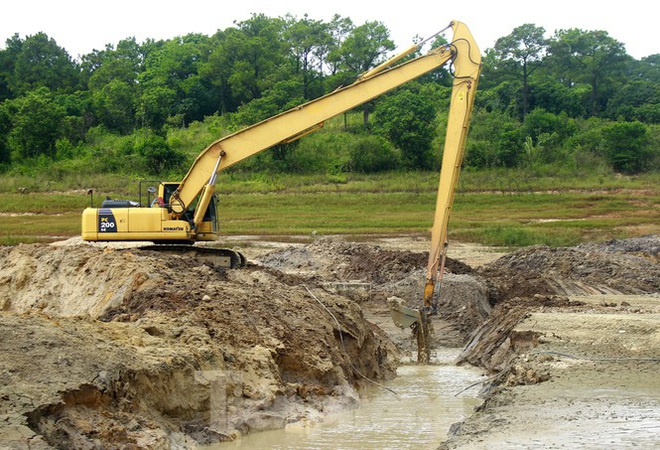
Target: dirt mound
[(335, 259), (617, 267), (371, 274), (494, 344), (69, 281), (155, 348), (645, 246), (540, 277)]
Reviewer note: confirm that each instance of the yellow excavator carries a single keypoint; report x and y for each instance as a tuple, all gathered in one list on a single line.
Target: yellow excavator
[(185, 212)]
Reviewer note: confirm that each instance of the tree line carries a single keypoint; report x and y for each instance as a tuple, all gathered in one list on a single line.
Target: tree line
[(573, 99)]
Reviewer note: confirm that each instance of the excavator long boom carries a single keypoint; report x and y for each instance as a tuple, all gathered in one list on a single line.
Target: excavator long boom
[(287, 126), (167, 219), (467, 65)]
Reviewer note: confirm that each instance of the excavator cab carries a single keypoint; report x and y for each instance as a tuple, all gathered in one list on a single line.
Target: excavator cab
[(156, 193), (207, 230)]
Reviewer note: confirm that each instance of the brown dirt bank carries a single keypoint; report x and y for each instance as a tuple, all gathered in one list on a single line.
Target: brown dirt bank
[(107, 347), (573, 344), (136, 349)]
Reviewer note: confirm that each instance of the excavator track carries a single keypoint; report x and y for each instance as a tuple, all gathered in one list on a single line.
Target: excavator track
[(222, 257)]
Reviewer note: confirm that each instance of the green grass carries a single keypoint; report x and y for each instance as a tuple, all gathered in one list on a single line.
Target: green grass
[(27, 228), (555, 211)]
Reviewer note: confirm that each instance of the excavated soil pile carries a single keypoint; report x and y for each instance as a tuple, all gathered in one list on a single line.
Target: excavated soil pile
[(134, 349), (334, 259), (614, 267), (540, 277)]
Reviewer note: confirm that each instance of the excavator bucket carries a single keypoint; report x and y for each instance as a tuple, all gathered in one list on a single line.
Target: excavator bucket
[(405, 317), (417, 319)]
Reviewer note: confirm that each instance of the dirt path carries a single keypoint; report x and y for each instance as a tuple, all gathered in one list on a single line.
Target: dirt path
[(131, 349)]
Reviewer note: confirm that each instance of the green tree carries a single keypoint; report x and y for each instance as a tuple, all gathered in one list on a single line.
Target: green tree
[(309, 42), (36, 119), (503, 97), (112, 78), (365, 47), (5, 128), (42, 63), (174, 68), (495, 140), (281, 97), (549, 94), (123, 63), (245, 61), (8, 58), (548, 133), (340, 28), (217, 69), (638, 100), (159, 157), (155, 106), (407, 118), (371, 154), (78, 118), (591, 57), (115, 106), (646, 69), (521, 53)]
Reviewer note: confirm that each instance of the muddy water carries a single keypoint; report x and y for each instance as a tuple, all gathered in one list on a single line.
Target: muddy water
[(417, 417)]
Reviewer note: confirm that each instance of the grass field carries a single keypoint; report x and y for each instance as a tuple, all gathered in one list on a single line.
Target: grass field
[(495, 208)]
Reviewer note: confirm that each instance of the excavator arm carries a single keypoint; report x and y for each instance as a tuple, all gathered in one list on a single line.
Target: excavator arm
[(287, 126), (467, 66)]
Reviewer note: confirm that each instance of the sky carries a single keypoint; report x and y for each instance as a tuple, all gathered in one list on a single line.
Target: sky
[(80, 26)]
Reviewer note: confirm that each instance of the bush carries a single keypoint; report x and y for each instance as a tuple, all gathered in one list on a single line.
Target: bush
[(321, 152), (494, 140), (372, 154), (549, 132), (140, 153), (627, 146), (157, 154), (408, 118)]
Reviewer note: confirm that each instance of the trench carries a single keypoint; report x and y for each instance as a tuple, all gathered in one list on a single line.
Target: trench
[(428, 401)]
